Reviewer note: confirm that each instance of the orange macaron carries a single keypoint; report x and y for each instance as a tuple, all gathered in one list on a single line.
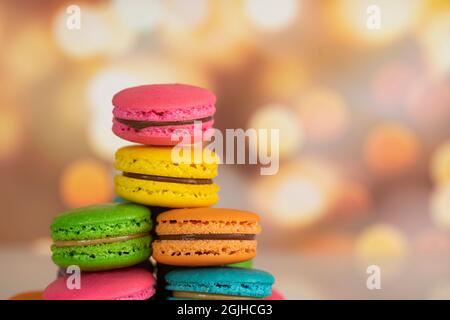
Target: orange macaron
[(205, 236), (29, 295)]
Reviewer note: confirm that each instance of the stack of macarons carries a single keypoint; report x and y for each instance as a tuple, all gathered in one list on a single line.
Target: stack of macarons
[(165, 180)]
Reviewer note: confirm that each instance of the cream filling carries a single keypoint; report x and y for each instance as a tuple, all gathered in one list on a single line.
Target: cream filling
[(208, 296), (89, 242)]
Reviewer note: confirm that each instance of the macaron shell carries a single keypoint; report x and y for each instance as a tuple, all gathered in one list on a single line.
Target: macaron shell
[(159, 161), (210, 214), (166, 194), (195, 253), (100, 221), (207, 220), (107, 285), (226, 281), (163, 102), (166, 135)]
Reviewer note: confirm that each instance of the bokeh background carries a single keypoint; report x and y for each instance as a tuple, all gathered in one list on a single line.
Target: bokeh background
[(364, 118)]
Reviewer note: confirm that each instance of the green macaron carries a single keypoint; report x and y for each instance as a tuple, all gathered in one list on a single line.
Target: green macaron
[(248, 264), (102, 237)]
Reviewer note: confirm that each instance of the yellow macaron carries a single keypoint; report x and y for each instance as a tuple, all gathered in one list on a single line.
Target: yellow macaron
[(167, 177)]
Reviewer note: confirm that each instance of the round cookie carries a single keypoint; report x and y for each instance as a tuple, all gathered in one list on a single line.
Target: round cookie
[(205, 237), (151, 114), (120, 284), (153, 176), (219, 283), (102, 237)]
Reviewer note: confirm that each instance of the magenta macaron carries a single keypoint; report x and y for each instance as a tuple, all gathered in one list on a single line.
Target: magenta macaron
[(276, 295), (120, 284), (150, 114)]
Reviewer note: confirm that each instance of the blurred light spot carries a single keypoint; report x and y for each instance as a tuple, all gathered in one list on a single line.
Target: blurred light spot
[(394, 83), (104, 85), (31, 43), (323, 114), (391, 149), (41, 246), (71, 107), (85, 182), (272, 16), (405, 203), (381, 242), (91, 39), (183, 14), (121, 39), (327, 244), (352, 199), (433, 243), (440, 164), (299, 189), (429, 105), (299, 195), (100, 33), (282, 118), (159, 69), (139, 15), (440, 206), (435, 39), (103, 141), (282, 77), (397, 17), (222, 40), (10, 133)]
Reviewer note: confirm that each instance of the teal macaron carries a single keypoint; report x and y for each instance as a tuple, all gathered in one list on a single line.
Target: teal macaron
[(102, 237), (219, 283)]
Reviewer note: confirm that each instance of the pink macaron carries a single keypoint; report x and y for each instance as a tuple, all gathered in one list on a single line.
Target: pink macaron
[(163, 114), (119, 284)]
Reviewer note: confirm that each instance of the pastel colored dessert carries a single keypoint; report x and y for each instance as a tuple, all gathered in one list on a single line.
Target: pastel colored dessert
[(219, 283), (205, 237), (152, 176), (151, 114), (276, 295), (119, 284), (102, 237), (244, 264), (30, 295)]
